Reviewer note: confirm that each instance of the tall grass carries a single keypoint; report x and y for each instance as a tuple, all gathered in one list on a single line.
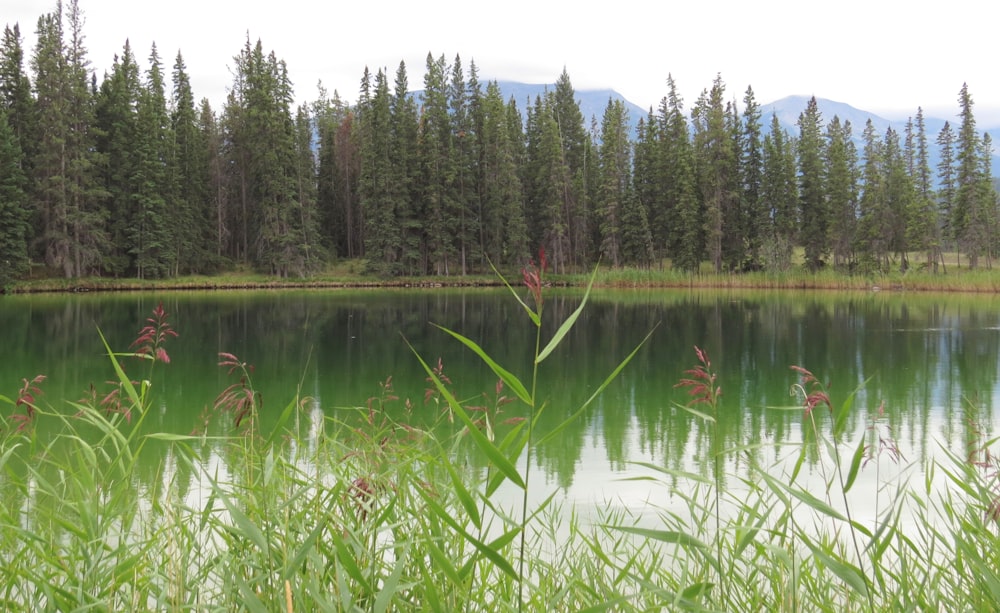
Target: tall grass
[(360, 510)]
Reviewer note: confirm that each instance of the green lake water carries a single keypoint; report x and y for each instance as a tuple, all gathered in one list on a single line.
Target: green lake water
[(927, 364)]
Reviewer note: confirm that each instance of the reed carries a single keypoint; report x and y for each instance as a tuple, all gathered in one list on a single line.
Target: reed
[(361, 510)]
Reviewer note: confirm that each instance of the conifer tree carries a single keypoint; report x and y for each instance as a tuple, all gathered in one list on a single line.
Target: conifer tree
[(814, 236), (71, 223), (841, 184), (779, 190), (923, 229), (946, 182), (406, 177), (16, 99), (752, 211), (899, 197), (437, 156), (191, 218), (875, 225), (615, 163), (14, 260), (337, 189), (969, 216), (150, 231), (574, 145), (716, 164), (379, 222), (503, 224), (117, 134)]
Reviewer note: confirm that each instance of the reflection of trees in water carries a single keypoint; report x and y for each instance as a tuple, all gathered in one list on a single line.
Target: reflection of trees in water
[(933, 360)]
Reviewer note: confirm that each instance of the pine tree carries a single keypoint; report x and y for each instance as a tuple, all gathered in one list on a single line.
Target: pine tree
[(815, 236), (947, 182), (716, 164), (842, 190), (437, 155), (191, 218), (503, 225), (376, 190), (150, 231), (309, 248), (899, 197), (779, 190), (117, 133), (969, 213), (874, 226), (71, 223), (14, 214), (16, 100), (339, 166), (550, 186), (752, 211), (679, 221), (923, 229), (465, 158), (575, 145), (615, 162)]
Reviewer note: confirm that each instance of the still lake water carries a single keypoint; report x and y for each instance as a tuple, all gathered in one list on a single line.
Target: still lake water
[(932, 361)]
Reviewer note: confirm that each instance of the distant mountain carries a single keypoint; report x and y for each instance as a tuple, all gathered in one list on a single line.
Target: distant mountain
[(594, 101), (789, 108)]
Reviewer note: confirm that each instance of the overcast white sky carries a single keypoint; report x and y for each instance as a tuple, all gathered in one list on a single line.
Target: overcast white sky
[(884, 56)]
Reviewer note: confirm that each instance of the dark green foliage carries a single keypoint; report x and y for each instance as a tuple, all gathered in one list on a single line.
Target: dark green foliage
[(842, 189), (14, 260), (779, 190), (813, 206), (121, 180)]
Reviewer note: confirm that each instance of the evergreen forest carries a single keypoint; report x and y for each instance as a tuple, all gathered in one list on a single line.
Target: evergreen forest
[(127, 174)]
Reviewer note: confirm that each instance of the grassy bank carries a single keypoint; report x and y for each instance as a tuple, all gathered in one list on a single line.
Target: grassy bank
[(362, 511), (952, 277)]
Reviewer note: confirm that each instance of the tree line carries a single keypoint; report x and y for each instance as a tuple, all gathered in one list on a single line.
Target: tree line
[(128, 176)]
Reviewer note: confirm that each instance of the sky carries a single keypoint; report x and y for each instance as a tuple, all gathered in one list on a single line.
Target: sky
[(884, 56)]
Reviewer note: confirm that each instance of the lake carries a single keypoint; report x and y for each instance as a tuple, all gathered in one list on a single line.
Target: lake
[(926, 364)]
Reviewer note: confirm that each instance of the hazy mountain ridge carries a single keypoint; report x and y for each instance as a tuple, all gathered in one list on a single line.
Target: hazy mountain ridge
[(789, 108), (593, 102)]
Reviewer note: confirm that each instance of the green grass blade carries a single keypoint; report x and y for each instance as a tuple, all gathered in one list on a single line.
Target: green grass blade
[(848, 573), (507, 377), (531, 312), (126, 382), (504, 465), (852, 473), (567, 324), (607, 381), (390, 585), (463, 494)]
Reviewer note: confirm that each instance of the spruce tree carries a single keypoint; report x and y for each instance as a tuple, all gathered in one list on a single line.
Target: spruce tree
[(615, 167), (923, 230), (947, 183), (841, 185), (71, 222), (437, 157), (752, 211), (14, 214), (716, 168), (405, 178), (813, 206), (117, 135), (875, 225), (151, 228), (779, 188), (16, 99), (191, 217), (969, 213)]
